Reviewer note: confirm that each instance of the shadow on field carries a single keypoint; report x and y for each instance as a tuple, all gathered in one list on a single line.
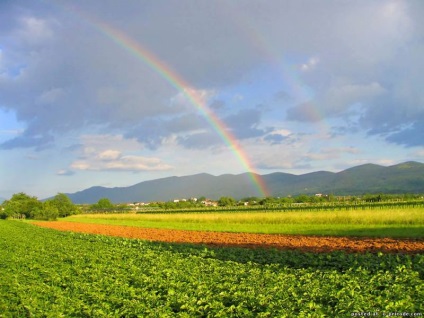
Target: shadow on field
[(403, 232), (338, 260)]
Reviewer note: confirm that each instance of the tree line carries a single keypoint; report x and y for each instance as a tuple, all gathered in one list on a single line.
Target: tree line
[(23, 206), (227, 201)]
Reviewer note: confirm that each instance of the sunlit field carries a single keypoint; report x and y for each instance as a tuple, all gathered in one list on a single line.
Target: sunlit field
[(406, 222), (48, 273)]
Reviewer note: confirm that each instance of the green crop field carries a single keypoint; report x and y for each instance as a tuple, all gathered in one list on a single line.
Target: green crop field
[(386, 222), (47, 273)]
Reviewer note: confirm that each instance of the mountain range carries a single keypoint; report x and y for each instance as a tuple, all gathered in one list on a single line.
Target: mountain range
[(407, 177)]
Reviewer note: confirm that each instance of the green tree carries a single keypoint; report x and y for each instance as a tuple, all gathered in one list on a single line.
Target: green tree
[(3, 214), (104, 204), (267, 201), (64, 205), (20, 205), (251, 200), (47, 211), (226, 201), (285, 200), (331, 198), (302, 198)]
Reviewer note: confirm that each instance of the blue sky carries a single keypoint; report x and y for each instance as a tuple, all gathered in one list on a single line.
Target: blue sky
[(303, 85)]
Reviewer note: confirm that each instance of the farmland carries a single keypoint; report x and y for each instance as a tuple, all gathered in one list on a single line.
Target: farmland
[(250, 240), (381, 222), (48, 273)]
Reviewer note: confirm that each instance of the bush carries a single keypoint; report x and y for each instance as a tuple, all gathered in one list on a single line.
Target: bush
[(47, 212), (64, 205), (226, 201), (3, 214), (21, 205)]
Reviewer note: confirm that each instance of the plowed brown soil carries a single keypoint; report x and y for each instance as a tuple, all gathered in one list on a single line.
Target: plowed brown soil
[(304, 243)]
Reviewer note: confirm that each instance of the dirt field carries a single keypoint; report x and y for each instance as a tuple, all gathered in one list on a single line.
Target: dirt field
[(304, 243)]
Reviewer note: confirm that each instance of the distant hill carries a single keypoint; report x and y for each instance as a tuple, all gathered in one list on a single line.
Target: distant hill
[(406, 177)]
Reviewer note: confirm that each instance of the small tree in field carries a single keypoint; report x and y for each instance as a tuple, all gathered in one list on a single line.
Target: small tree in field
[(226, 201), (48, 211), (104, 204), (64, 205)]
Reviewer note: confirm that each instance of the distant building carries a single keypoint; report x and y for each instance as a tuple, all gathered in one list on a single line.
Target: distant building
[(209, 202)]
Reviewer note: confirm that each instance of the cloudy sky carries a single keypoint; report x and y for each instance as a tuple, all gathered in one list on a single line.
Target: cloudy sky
[(113, 93)]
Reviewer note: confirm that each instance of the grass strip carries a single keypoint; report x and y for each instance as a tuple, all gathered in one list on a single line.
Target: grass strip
[(378, 223)]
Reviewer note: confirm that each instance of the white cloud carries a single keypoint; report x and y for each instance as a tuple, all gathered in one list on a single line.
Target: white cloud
[(350, 54), (336, 101), (121, 163), (34, 30), (107, 144), (50, 96), (418, 154), (283, 132), (65, 172), (189, 95), (373, 33), (351, 93), (11, 132), (352, 64), (330, 153), (80, 165), (109, 155), (386, 162), (310, 64)]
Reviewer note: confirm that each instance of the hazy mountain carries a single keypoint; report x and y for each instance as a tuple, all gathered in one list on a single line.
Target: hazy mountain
[(407, 177)]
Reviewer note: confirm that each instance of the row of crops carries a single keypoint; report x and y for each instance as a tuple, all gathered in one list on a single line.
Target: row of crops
[(332, 206), (46, 273)]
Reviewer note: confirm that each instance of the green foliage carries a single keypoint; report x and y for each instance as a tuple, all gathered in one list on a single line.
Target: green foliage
[(47, 211), (104, 204), (226, 201), (268, 201), (64, 205), (297, 203), (251, 200), (303, 198), (20, 205), (178, 205), (46, 273)]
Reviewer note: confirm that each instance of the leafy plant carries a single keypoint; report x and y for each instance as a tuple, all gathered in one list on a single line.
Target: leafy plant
[(47, 273)]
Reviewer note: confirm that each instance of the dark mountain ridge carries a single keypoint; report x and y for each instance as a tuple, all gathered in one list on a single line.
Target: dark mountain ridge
[(407, 177)]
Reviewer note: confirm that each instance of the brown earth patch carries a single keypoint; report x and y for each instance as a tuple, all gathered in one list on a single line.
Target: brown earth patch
[(290, 242)]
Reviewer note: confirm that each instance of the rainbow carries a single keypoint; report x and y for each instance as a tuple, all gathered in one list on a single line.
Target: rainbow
[(174, 79), (289, 73)]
